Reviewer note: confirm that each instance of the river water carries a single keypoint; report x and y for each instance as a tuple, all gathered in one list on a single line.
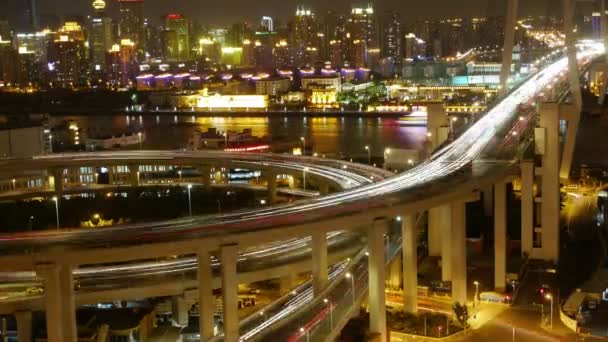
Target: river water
[(333, 136)]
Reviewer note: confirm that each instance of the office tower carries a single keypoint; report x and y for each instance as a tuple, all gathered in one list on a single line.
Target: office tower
[(363, 31), (596, 25), (304, 36), (392, 47), (177, 38), (67, 62), (337, 37), (267, 24), (27, 15), (100, 37), (121, 64), (8, 62), (132, 24), (5, 31)]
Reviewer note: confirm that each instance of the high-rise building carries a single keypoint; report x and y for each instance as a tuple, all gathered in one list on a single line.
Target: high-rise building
[(267, 23), (392, 47), (8, 62), (337, 38), (122, 64), (305, 36), (132, 23), (177, 37), (5, 31), (363, 31), (67, 62), (596, 25), (100, 37), (27, 15)]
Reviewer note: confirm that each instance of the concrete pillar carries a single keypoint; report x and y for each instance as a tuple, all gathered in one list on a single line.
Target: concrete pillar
[(434, 231), (549, 125), (24, 325), (134, 175), (572, 115), (102, 333), (527, 207), (446, 242), (437, 125), (458, 251), (205, 296), (230, 298), (205, 172), (500, 236), (271, 179), (377, 275), (319, 261), (573, 74), (507, 52), (410, 264), (179, 308), (488, 201), (59, 301), (56, 181), (287, 283), (395, 272)]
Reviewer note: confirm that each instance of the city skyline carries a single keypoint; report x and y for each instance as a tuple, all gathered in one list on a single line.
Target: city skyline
[(282, 10)]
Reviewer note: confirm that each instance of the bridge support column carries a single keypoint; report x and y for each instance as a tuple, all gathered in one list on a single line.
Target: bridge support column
[(547, 144), (527, 207), (205, 172), (500, 236), (488, 194), (134, 175), (437, 125), (59, 301), (230, 300), (319, 261), (271, 179), (180, 311), (507, 52), (446, 243), (572, 115), (24, 325), (205, 296), (459, 252), (434, 231), (377, 275), (410, 263), (395, 272), (56, 181)]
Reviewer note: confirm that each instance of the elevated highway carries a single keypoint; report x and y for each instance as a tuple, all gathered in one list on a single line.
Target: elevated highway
[(454, 175)]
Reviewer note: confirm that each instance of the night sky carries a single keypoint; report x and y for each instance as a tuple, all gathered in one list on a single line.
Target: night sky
[(227, 11)]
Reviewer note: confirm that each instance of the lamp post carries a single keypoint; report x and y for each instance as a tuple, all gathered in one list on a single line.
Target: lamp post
[(139, 139), (31, 223), (348, 275), (189, 199), (51, 143), (304, 331), (303, 139), (180, 175), (225, 139), (476, 292), (331, 313), (369, 155), (304, 173), (550, 298), (56, 200)]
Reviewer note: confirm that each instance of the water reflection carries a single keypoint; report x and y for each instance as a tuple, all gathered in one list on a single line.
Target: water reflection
[(328, 135)]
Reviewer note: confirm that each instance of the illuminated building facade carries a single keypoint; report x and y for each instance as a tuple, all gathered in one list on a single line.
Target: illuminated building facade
[(9, 71), (67, 60), (363, 31), (273, 86), (132, 24), (100, 37), (217, 101), (321, 97), (391, 39), (179, 39), (305, 36)]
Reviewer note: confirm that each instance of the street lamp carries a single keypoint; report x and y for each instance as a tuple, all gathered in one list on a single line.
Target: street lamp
[(180, 175), (348, 275), (304, 172), (189, 199), (139, 139), (331, 313), (304, 331), (56, 200), (303, 139), (51, 143), (550, 298), (476, 292), (225, 139), (369, 155)]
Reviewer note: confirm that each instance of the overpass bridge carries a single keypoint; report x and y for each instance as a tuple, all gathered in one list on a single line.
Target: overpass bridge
[(455, 174)]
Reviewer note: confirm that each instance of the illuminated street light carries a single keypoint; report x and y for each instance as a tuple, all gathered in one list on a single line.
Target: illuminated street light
[(331, 312), (476, 291), (139, 139), (303, 145), (369, 155), (189, 199), (304, 173), (56, 200), (550, 298), (348, 275)]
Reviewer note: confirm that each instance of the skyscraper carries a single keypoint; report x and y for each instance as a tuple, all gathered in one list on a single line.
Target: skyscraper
[(392, 39), (131, 25), (177, 37), (100, 38), (27, 15), (67, 62), (304, 36), (363, 31)]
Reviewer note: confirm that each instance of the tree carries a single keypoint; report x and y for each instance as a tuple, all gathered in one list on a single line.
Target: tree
[(462, 313)]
